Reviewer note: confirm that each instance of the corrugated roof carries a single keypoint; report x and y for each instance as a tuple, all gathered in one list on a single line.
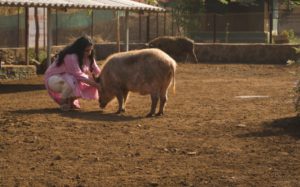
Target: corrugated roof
[(87, 4)]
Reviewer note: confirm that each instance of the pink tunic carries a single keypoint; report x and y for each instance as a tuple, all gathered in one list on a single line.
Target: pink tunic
[(73, 75)]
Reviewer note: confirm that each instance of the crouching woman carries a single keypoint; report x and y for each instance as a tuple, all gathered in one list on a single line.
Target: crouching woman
[(71, 75)]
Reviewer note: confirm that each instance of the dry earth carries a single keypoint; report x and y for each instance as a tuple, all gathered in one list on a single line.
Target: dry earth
[(208, 136)]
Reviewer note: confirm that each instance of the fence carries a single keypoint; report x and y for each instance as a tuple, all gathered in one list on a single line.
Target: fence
[(102, 26), (12, 28), (289, 25)]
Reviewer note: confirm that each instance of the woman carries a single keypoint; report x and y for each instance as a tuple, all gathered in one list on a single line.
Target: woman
[(72, 74)]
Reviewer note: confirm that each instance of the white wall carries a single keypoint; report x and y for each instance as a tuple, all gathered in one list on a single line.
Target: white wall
[(42, 24)]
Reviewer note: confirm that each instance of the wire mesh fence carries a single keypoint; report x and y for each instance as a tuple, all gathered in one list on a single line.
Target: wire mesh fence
[(254, 27), (288, 25), (102, 25), (12, 27)]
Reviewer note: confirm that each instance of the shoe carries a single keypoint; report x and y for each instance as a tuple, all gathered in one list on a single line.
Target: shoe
[(75, 104), (65, 107)]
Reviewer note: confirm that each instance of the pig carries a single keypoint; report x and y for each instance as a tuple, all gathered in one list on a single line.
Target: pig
[(146, 71), (176, 47)]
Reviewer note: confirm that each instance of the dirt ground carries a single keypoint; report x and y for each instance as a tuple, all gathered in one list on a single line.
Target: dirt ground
[(209, 135)]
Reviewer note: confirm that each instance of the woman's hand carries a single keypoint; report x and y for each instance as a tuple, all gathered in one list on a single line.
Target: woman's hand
[(98, 87), (91, 82)]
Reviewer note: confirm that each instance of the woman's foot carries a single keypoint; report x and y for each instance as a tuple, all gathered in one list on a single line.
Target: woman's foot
[(65, 107), (75, 104), (70, 104)]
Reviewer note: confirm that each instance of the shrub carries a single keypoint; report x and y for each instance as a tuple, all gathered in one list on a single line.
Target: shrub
[(297, 86)]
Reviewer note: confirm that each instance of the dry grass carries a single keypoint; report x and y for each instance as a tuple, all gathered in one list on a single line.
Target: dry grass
[(208, 137)]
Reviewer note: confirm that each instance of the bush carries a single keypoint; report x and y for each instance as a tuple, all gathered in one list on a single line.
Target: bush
[(42, 54), (297, 87), (285, 36)]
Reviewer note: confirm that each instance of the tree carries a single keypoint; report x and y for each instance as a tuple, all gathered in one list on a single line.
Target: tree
[(10, 11), (151, 2), (252, 2), (185, 12), (37, 33), (243, 2)]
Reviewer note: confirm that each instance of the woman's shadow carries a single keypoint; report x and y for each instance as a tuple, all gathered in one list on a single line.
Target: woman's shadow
[(80, 114)]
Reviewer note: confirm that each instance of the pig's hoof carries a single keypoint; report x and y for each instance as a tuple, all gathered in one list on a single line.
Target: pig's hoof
[(149, 115), (65, 107), (159, 114), (120, 111)]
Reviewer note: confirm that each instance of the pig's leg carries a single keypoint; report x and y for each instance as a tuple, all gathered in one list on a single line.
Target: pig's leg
[(162, 102), (195, 57), (154, 100), (120, 101), (125, 95), (186, 58)]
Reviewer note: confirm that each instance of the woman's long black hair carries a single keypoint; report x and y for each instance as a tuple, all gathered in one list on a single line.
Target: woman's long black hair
[(77, 47)]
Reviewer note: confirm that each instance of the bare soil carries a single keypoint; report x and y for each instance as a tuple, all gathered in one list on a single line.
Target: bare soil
[(208, 136)]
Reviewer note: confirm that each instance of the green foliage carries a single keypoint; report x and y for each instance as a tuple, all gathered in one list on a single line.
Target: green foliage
[(297, 51), (194, 6), (42, 54), (297, 100), (184, 14), (224, 1), (297, 87), (151, 2), (252, 2), (288, 33), (293, 2), (8, 11), (243, 2)]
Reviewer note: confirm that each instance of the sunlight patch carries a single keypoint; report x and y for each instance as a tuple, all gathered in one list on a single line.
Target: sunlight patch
[(251, 96)]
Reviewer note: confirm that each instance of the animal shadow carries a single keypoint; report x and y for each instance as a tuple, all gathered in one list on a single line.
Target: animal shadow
[(12, 88), (98, 116), (280, 127), (80, 114), (36, 111)]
